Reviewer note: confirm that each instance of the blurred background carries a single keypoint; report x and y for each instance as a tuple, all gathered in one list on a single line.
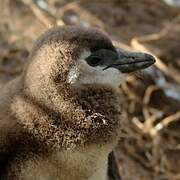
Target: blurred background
[(150, 145)]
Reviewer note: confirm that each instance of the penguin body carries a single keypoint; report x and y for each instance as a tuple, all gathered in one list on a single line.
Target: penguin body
[(30, 157), (62, 116)]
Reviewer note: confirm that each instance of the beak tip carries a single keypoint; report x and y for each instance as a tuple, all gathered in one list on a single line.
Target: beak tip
[(151, 59)]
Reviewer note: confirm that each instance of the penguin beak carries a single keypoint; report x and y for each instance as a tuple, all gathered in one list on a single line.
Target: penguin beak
[(132, 61)]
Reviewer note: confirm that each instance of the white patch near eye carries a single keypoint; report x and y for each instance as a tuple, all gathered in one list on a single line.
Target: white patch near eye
[(73, 75), (83, 73)]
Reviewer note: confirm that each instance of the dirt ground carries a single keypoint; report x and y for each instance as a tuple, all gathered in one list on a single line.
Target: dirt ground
[(150, 146)]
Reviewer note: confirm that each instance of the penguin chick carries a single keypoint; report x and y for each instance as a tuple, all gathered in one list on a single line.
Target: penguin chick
[(61, 117)]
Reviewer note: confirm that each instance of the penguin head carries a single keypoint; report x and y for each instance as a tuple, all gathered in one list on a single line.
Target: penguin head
[(69, 57), (79, 56)]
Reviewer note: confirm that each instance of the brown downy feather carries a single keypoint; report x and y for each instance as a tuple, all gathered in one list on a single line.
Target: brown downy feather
[(40, 112)]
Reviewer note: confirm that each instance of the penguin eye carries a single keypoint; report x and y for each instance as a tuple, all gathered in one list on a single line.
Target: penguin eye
[(93, 60)]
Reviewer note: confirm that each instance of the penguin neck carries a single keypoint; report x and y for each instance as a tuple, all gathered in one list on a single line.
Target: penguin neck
[(80, 116), (71, 101), (56, 97)]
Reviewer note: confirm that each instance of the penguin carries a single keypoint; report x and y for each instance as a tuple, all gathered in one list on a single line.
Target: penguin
[(62, 116)]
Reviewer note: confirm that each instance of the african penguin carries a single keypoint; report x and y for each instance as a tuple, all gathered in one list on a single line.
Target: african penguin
[(61, 117)]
